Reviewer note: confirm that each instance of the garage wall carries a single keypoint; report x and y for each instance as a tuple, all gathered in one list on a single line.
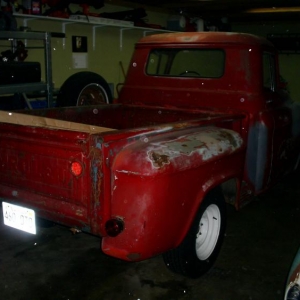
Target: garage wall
[(107, 56), (288, 63), (105, 59)]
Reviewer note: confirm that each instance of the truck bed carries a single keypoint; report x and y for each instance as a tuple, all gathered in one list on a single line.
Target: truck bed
[(121, 117), (38, 149)]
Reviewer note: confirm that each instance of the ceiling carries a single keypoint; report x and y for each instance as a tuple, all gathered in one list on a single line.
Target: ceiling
[(234, 10)]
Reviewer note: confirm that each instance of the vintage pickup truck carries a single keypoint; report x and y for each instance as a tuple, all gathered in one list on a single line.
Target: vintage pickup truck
[(201, 119)]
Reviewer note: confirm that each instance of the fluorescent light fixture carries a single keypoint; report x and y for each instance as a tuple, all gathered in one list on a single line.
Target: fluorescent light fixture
[(268, 10)]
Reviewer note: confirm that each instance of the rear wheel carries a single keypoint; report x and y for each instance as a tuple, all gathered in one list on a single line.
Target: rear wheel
[(199, 249), (84, 88)]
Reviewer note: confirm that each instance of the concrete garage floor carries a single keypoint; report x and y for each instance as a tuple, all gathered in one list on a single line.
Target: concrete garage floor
[(260, 243)]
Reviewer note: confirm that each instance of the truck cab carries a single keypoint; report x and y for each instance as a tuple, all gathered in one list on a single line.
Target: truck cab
[(228, 72)]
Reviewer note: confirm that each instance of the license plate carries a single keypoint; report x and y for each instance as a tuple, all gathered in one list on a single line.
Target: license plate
[(19, 217)]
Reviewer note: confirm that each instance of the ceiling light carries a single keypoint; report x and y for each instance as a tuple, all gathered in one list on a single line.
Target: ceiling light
[(272, 10)]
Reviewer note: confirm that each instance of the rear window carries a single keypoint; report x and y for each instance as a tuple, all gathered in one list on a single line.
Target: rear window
[(203, 63)]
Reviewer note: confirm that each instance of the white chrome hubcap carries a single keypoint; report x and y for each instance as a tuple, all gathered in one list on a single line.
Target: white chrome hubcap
[(92, 94), (208, 234)]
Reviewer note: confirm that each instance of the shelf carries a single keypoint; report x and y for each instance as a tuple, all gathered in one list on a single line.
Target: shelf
[(9, 35), (70, 21), (95, 25), (22, 88), (38, 86)]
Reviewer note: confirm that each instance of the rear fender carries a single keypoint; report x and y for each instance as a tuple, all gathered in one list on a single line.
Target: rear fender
[(169, 153), (218, 182), (157, 187)]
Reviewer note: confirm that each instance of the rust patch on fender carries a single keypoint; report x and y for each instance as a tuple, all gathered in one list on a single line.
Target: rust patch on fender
[(226, 135), (208, 143), (79, 212), (159, 160), (180, 125), (96, 158)]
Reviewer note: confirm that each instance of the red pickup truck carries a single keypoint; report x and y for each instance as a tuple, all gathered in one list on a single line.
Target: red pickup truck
[(201, 119)]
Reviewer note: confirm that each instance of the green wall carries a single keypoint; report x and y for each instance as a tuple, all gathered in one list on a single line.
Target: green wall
[(108, 55), (105, 59), (288, 63)]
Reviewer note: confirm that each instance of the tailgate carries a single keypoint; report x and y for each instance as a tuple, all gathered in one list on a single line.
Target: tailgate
[(35, 171)]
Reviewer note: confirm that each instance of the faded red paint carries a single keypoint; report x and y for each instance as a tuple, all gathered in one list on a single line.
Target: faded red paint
[(165, 144)]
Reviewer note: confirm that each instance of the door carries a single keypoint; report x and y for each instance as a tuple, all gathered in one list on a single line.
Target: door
[(278, 118)]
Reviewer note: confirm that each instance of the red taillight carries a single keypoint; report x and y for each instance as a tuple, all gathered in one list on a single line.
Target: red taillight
[(113, 227), (76, 168)]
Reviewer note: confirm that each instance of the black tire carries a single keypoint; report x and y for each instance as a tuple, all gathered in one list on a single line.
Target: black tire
[(84, 88), (184, 259)]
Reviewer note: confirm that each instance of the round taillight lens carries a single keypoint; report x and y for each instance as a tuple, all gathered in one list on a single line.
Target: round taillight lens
[(76, 168), (113, 227)]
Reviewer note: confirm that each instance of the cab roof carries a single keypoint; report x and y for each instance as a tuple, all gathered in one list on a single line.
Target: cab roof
[(205, 38)]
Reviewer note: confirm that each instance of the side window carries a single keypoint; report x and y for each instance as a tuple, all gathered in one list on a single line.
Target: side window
[(269, 71), (157, 63)]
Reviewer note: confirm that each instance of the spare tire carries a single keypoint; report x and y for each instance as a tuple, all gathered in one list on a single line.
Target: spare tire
[(84, 88)]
